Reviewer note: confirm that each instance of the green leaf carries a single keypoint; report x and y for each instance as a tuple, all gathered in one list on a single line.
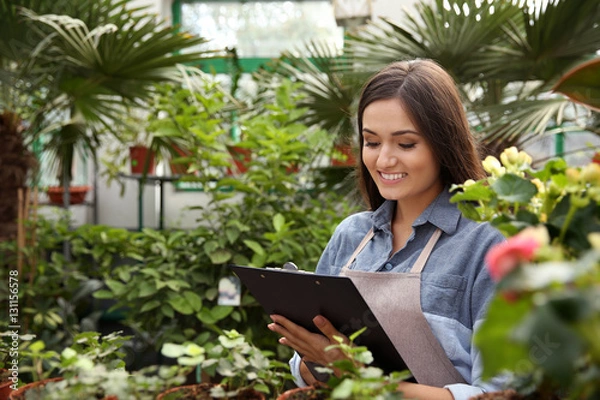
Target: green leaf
[(150, 271), (151, 305), (167, 310), (211, 246), (469, 210), (553, 344), (147, 289), (214, 315), (176, 285), (232, 234), (220, 312), (278, 222), (255, 247), (552, 167), (181, 305), (172, 350), (219, 256), (475, 192), (36, 346), (211, 293), (514, 189), (206, 317), (124, 275), (193, 299), (343, 390), (103, 294), (499, 350), (117, 287)]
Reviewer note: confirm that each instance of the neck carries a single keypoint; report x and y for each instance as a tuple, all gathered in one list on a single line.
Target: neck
[(408, 210)]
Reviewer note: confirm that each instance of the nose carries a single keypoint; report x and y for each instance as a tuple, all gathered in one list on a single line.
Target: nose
[(387, 157)]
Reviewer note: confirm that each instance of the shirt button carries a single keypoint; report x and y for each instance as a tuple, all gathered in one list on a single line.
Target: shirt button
[(388, 266)]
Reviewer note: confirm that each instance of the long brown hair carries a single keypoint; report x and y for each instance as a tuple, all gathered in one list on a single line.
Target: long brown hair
[(429, 95)]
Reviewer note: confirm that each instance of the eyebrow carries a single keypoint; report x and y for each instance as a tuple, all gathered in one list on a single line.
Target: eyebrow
[(396, 133)]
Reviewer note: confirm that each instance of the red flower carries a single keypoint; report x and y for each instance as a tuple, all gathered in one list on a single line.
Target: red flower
[(596, 158), (506, 256)]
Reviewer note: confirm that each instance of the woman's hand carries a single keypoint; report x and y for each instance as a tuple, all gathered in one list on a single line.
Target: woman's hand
[(310, 345)]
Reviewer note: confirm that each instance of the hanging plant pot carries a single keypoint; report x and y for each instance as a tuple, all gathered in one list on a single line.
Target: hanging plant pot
[(141, 160), (76, 194), (343, 156), (241, 157)]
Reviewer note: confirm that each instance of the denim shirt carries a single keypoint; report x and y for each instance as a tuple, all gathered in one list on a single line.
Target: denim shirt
[(455, 284)]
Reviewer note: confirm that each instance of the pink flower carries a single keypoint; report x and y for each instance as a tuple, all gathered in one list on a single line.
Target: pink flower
[(506, 256)]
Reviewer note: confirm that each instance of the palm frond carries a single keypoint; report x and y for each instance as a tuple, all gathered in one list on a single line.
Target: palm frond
[(329, 86), (523, 120), (451, 34), (548, 39)]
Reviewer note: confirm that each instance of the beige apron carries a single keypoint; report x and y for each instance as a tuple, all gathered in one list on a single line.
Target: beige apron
[(395, 299)]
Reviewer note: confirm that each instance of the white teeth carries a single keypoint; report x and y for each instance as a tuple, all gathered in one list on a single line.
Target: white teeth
[(392, 176)]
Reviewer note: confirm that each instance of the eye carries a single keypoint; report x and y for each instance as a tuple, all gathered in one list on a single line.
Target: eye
[(371, 143), (407, 145)]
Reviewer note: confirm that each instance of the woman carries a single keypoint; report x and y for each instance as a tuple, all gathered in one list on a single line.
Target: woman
[(414, 143)]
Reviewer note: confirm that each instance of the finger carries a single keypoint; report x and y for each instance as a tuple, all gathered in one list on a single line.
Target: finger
[(327, 328), (293, 335), (290, 326), (311, 345)]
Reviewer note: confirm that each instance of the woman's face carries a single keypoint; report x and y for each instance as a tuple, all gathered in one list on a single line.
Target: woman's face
[(397, 156)]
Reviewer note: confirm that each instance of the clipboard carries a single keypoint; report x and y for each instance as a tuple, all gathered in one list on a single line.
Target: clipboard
[(300, 296)]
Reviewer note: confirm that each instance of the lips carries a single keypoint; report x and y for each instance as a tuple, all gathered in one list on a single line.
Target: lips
[(392, 177)]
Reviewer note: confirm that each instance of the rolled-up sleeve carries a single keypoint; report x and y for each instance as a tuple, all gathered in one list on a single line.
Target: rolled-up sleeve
[(295, 370)]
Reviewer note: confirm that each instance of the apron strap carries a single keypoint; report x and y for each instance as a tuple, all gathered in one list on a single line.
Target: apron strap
[(420, 263), (361, 246)]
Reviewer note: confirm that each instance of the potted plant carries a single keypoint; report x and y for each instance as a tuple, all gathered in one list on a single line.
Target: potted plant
[(85, 379), (68, 79), (343, 155), (542, 323), (45, 366), (352, 378), (39, 363), (243, 370)]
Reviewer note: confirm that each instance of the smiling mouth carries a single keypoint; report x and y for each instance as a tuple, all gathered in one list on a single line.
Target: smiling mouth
[(392, 177)]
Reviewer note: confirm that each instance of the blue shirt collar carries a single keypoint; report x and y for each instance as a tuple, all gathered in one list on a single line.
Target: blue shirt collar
[(440, 213)]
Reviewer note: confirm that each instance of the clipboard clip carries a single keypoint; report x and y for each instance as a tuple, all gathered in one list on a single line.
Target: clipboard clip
[(290, 266)]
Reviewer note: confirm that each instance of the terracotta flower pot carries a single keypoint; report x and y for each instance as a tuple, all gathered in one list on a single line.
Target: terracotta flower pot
[(180, 169), (348, 152), (19, 394), (76, 194), (5, 388), (303, 393), (142, 160), (241, 157), (201, 391)]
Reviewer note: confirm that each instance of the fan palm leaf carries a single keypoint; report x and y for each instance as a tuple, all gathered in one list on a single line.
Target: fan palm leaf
[(452, 34), (504, 57), (100, 69), (545, 41), (328, 83)]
